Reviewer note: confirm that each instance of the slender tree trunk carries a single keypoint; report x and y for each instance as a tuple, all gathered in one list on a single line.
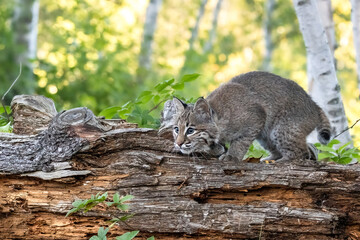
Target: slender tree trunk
[(321, 66), (24, 22), (195, 30), (326, 16), (269, 8), (209, 43), (194, 33), (147, 41), (355, 18)]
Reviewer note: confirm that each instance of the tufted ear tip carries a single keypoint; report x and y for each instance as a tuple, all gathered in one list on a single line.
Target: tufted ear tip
[(203, 106), (179, 104)]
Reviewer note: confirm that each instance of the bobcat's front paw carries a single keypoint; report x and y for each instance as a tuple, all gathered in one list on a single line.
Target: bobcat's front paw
[(227, 157)]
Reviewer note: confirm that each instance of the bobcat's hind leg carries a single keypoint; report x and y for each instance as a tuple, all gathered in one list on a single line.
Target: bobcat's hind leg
[(266, 143), (290, 141)]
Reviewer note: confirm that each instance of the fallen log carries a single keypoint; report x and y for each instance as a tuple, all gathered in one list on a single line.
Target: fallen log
[(73, 154)]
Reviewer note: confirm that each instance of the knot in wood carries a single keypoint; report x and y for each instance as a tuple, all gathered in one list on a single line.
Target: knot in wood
[(74, 116)]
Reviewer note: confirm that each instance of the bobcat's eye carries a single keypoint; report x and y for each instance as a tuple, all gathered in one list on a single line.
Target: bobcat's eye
[(176, 129), (190, 131)]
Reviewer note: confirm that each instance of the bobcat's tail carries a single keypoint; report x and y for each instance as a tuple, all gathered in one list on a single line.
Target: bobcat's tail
[(323, 128)]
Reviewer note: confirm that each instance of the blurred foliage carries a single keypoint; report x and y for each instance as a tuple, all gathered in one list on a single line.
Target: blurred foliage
[(88, 49), (145, 110)]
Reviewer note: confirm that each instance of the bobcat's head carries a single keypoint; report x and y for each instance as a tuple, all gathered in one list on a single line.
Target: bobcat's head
[(194, 128)]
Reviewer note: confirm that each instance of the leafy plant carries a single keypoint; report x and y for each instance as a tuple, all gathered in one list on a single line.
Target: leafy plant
[(5, 123), (118, 202), (342, 155), (256, 151), (138, 110)]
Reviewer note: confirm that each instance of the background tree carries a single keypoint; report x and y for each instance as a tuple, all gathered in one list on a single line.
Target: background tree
[(212, 34), (190, 53), (269, 45), (326, 17), (355, 19), (147, 40), (326, 89)]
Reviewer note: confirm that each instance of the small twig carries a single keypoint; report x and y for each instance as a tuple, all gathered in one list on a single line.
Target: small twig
[(3, 96), (157, 105), (347, 129)]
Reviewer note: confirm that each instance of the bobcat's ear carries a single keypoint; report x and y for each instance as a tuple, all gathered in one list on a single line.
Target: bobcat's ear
[(179, 105), (202, 106)]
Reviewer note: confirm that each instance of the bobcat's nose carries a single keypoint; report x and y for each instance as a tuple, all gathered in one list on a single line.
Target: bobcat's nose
[(179, 142)]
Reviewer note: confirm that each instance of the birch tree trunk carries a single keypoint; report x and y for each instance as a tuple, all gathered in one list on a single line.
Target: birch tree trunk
[(209, 43), (194, 33), (147, 40), (24, 23), (355, 19), (321, 66), (195, 30), (269, 8), (326, 16)]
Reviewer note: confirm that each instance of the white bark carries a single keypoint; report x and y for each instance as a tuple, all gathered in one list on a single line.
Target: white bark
[(209, 43), (326, 17), (195, 30), (148, 37), (321, 66), (25, 21), (355, 19), (269, 45)]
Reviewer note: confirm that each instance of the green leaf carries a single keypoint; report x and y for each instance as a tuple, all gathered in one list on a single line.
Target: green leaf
[(8, 109), (317, 144), (126, 198), (123, 207), (109, 204), (333, 142), (189, 77), (326, 148), (78, 203), (146, 99), (178, 86), (127, 236), (116, 197), (324, 155), (95, 238), (151, 238), (145, 93), (71, 211), (102, 232), (156, 99), (160, 86), (345, 145), (345, 160), (110, 112), (6, 128)]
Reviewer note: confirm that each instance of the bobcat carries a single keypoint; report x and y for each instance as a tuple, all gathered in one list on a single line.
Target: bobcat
[(275, 111)]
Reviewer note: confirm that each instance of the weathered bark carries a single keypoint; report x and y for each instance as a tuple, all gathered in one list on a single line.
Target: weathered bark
[(147, 39), (325, 87), (267, 25), (355, 19), (209, 44), (176, 197)]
